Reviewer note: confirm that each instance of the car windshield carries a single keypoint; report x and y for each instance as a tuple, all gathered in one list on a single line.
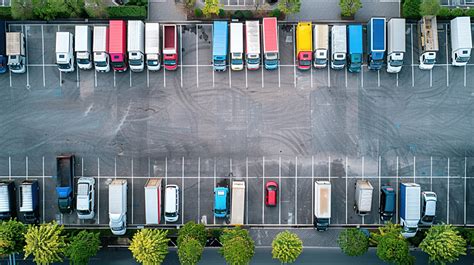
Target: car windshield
[(64, 66), (100, 63), (429, 61), (339, 62), (462, 59), (320, 61), (83, 61), (219, 62), (15, 66), (305, 62), (152, 62), (170, 62), (171, 214), (396, 63), (237, 61), (135, 62), (118, 64)]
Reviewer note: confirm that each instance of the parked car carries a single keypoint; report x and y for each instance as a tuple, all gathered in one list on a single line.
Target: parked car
[(428, 210), (85, 198), (387, 203), (171, 203), (271, 193)]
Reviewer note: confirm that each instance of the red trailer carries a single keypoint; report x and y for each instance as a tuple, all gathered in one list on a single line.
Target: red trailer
[(170, 47), (117, 45)]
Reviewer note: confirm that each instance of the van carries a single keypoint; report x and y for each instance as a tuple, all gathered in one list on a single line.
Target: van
[(171, 203), (428, 210), (387, 203), (7, 200), (29, 201), (85, 198), (221, 202)]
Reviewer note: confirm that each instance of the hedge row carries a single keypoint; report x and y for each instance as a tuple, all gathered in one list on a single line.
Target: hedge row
[(5, 12), (450, 13), (126, 12)]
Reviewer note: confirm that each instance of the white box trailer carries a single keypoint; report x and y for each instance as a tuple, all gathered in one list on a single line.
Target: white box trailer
[(237, 210), (396, 44), (236, 46), (136, 45), (152, 46), (153, 201), (16, 52), (100, 48), (252, 34), (338, 47), (461, 40), (428, 42), (321, 45), (410, 206), (363, 197), (65, 51), (82, 46), (322, 205), (118, 206)]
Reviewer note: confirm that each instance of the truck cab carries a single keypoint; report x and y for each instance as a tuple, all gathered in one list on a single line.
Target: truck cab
[(387, 203), (29, 201), (65, 51), (428, 44), (85, 198), (221, 202), (355, 48), (252, 47), (321, 45), (396, 44), (3, 47), (82, 47), (270, 43), (304, 45), (7, 200), (339, 47), (65, 182), (236, 46), (16, 48)]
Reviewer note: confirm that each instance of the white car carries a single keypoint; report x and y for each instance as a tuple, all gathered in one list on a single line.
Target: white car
[(171, 203), (428, 211), (85, 198)]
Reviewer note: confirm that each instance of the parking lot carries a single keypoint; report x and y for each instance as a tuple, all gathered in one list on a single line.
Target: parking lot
[(193, 126)]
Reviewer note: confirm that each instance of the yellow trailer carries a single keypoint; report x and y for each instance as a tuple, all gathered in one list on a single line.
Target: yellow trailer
[(304, 45)]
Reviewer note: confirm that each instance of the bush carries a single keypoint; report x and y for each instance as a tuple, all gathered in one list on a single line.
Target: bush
[(237, 246), (137, 3), (353, 242), (349, 7), (127, 12), (470, 12), (189, 4), (443, 244), (221, 13), (411, 8), (190, 251), (247, 14), (444, 13), (286, 247), (456, 12), (5, 12), (238, 14), (429, 7), (198, 12), (12, 237), (275, 13), (192, 230)]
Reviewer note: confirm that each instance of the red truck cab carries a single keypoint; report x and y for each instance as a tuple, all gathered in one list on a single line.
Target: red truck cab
[(170, 47), (118, 45)]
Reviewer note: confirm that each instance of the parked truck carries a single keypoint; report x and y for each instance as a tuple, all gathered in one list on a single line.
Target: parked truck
[(65, 182), (238, 202), (83, 47), (170, 47), (118, 206), (387, 203), (65, 51), (236, 46), (376, 42), (271, 51), (85, 201), (221, 202), (29, 201), (354, 58), (428, 42), (410, 206), (304, 45), (321, 45), (153, 203), (16, 48), (7, 200), (219, 45), (3, 47), (101, 49), (152, 46), (136, 45), (117, 45), (252, 47), (338, 47), (322, 205), (461, 41), (396, 44), (363, 197)]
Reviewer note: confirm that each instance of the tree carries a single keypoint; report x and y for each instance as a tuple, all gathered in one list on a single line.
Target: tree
[(392, 247), (289, 6), (12, 238), (411, 8), (192, 230), (429, 7), (45, 243), (150, 246), (82, 247), (353, 242), (49, 9), (190, 251), (286, 247), (96, 8), (237, 246), (75, 8), (443, 244), (22, 9), (349, 7), (211, 7)]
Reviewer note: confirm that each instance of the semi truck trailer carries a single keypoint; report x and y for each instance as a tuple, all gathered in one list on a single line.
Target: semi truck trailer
[(252, 47), (237, 46), (428, 41), (153, 200), (7, 200), (16, 48), (101, 49), (65, 51), (118, 45), (338, 47), (271, 51), (410, 204), (83, 47), (355, 48), (65, 182), (118, 206), (170, 47), (136, 45), (363, 197), (461, 41), (322, 205), (321, 45), (376, 43), (238, 202), (219, 45), (395, 44), (152, 46), (29, 201), (304, 45)]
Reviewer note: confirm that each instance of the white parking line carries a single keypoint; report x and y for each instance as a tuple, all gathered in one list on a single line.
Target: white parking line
[(98, 190), (412, 60), (9, 167), (263, 78), (294, 54), (199, 190), (166, 171), (329, 168), (362, 76), (329, 76), (345, 75), (230, 77), (181, 57), (396, 194), (397, 79), (95, 78), (346, 188), (311, 69), (363, 172), (246, 191), (60, 78), (42, 55), (182, 192), (27, 56), (431, 77), (130, 74), (431, 173), (465, 75), (26, 167), (114, 78), (447, 198), (465, 184), (263, 190), (447, 57), (380, 184), (164, 77), (296, 190), (131, 162), (312, 189), (215, 173), (414, 168), (213, 77), (279, 190), (197, 57), (147, 78), (246, 79), (279, 79), (43, 194), (77, 78), (378, 78)]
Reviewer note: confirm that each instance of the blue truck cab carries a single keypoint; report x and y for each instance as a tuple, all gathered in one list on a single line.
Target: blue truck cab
[(376, 33), (354, 58), (220, 36), (221, 202), (3, 49), (387, 203), (65, 182)]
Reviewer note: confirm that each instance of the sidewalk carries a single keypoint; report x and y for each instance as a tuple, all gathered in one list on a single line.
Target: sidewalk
[(165, 10), (311, 238)]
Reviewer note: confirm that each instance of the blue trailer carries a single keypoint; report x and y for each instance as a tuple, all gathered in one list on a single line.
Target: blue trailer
[(354, 33), (3, 41), (220, 36), (376, 33), (65, 182)]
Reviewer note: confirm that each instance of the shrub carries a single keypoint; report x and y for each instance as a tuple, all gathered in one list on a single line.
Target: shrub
[(198, 12), (247, 14), (444, 13), (275, 13), (192, 230), (411, 8), (456, 12), (22, 9), (221, 13), (190, 251), (353, 242), (237, 246), (443, 244), (189, 4), (286, 247), (238, 14), (429, 7), (470, 12), (126, 12), (137, 3), (5, 12), (12, 237), (349, 7)]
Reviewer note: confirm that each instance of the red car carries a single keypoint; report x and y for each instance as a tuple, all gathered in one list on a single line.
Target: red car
[(271, 193)]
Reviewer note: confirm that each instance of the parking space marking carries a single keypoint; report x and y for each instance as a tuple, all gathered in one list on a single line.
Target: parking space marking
[(378, 197), (263, 79), (246, 79), (312, 189), (296, 190), (114, 78), (345, 74), (164, 77), (363, 172), (95, 78), (9, 168), (130, 75), (412, 60), (166, 171), (414, 168), (447, 198), (246, 190), (396, 194), (447, 56), (25, 31), (312, 76), (215, 173), (131, 162), (147, 78), (77, 78), (294, 54), (42, 55), (263, 190), (397, 79), (465, 183), (43, 193), (431, 173), (60, 78), (199, 189), (230, 77), (378, 78), (279, 79), (431, 77), (181, 57), (346, 188), (197, 58), (98, 190), (362, 76), (182, 193), (329, 76), (213, 78), (279, 193), (465, 66)]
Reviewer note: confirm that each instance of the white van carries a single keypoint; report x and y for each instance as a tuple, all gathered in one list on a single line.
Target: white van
[(171, 203), (85, 198)]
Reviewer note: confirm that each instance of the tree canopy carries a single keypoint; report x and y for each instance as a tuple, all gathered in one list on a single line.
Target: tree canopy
[(45, 242), (353, 242), (238, 247), (286, 247), (443, 244), (12, 238), (150, 246), (82, 247)]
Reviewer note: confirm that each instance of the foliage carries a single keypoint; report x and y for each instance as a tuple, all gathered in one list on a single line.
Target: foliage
[(189, 4), (392, 247), (457, 12), (411, 8), (443, 244), (137, 3), (49, 9), (22, 9), (192, 230), (247, 14), (221, 13), (12, 237), (125, 12), (387, 229), (198, 12), (444, 13), (45, 243), (211, 7), (190, 251), (237, 246), (289, 6), (429, 7), (149, 246), (96, 9), (349, 7), (275, 13), (418, 238), (75, 8), (5, 12), (82, 247), (353, 242), (470, 12), (286, 247), (468, 234)]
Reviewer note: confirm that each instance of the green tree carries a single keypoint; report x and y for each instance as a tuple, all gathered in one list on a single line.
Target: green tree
[(192, 230), (443, 244), (190, 251), (429, 7), (238, 247), (411, 8), (49, 9), (45, 243), (353, 242), (96, 8), (289, 6), (75, 8), (349, 7), (12, 237), (82, 247), (392, 247), (22, 9), (189, 4), (150, 246), (211, 7), (286, 247)]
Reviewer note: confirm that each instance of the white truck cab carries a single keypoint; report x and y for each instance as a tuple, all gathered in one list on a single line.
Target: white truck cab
[(85, 198), (65, 51), (82, 47), (428, 33), (100, 48)]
